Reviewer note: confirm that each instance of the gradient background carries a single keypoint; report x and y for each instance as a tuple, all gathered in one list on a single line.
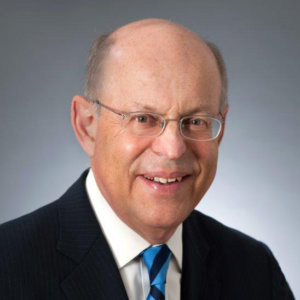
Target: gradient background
[(43, 52)]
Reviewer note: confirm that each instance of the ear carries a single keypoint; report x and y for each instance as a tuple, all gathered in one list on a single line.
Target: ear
[(84, 122), (224, 114)]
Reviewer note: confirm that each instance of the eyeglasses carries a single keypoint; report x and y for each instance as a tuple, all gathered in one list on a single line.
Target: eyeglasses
[(147, 124)]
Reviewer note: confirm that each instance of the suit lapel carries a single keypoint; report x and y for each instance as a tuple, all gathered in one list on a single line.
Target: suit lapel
[(201, 267), (96, 275)]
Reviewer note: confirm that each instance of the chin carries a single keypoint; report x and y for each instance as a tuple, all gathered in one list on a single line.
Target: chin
[(163, 221)]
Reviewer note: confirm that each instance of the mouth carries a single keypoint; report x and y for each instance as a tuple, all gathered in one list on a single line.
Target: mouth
[(167, 185), (165, 181)]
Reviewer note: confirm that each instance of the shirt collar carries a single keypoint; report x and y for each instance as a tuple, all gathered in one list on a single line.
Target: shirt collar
[(124, 242)]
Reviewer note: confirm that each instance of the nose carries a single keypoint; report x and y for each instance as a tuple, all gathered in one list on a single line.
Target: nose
[(170, 143)]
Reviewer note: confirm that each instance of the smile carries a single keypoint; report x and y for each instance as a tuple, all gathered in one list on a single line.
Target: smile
[(164, 180)]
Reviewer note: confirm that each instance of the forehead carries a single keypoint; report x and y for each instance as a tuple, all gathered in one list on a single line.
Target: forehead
[(162, 68)]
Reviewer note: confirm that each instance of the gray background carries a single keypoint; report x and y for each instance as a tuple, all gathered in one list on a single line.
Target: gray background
[(44, 46)]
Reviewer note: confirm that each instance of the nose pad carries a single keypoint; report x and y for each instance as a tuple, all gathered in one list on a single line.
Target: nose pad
[(170, 143)]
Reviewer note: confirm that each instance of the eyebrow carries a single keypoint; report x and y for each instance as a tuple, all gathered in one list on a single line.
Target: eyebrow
[(200, 109)]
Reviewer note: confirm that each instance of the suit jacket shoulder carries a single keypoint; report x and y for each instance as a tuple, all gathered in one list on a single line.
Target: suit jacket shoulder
[(233, 264), (58, 252)]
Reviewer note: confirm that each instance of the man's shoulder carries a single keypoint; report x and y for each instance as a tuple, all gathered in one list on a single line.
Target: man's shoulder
[(42, 224), (237, 259), (28, 247), (224, 237), (22, 231), (31, 253)]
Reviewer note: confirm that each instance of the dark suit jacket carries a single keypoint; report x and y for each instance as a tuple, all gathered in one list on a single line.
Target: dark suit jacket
[(59, 252)]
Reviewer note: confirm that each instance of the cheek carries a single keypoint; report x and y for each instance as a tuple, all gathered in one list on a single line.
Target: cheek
[(130, 147), (115, 164), (119, 152), (207, 157), (205, 153)]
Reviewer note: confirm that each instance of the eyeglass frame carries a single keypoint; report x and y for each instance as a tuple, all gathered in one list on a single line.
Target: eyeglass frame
[(165, 121)]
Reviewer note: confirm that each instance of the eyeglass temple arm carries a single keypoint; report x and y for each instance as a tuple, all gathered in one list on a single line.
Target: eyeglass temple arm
[(223, 118), (123, 115), (108, 108)]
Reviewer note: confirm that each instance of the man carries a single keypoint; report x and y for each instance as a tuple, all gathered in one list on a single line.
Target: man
[(151, 120)]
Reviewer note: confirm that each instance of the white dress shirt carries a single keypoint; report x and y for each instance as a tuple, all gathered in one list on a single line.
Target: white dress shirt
[(126, 245)]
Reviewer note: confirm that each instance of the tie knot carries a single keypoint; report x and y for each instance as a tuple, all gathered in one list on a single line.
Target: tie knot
[(157, 261)]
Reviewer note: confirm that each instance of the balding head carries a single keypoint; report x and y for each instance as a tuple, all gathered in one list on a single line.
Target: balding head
[(152, 44)]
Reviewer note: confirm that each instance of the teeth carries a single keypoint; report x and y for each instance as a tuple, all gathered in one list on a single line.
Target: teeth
[(172, 180), (164, 180), (161, 180)]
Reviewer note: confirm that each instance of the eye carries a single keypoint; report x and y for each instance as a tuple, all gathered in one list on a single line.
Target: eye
[(197, 122), (142, 118), (146, 119)]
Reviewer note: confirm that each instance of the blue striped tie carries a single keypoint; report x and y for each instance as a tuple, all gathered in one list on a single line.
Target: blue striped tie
[(157, 261)]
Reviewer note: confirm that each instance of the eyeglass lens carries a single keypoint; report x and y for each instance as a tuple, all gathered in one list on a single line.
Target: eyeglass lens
[(193, 127)]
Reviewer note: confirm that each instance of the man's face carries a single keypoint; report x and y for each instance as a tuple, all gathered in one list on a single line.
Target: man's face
[(123, 164)]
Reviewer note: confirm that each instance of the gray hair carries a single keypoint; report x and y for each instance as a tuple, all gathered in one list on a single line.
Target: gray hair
[(100, 50), (96, 59), (223, 73)]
